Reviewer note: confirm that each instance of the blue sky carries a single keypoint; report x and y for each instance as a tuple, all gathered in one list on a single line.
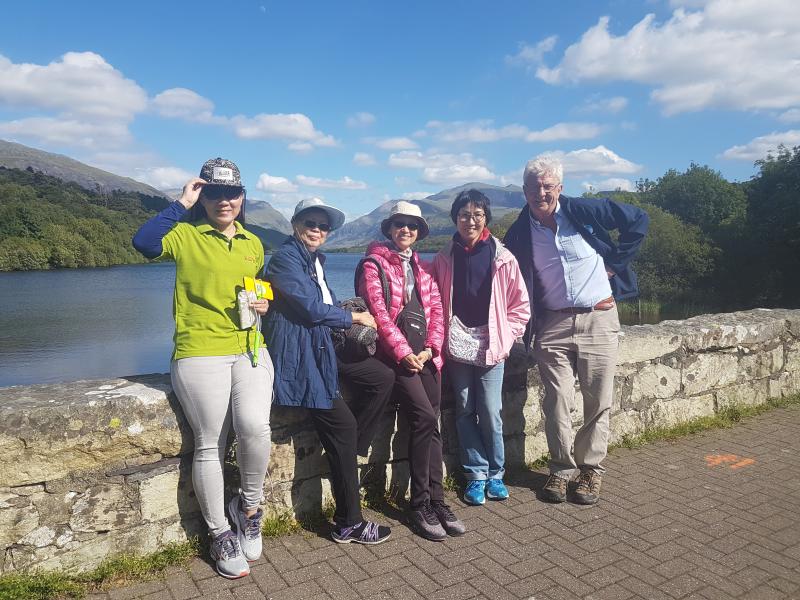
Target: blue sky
[(359, 102)]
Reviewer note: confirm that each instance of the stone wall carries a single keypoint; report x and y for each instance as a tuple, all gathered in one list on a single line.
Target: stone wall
[(89, 469)]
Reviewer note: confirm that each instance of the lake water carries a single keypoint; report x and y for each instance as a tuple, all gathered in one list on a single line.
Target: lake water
[(75, 324)]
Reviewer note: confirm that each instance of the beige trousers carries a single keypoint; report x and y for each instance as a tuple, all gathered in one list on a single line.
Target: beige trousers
[(583, 346)]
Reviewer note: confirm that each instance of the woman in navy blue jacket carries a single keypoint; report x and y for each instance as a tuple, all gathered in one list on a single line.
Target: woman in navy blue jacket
[(297, 332)]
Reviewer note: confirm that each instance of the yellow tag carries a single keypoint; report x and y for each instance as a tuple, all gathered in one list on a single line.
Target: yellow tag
[(262, 289)]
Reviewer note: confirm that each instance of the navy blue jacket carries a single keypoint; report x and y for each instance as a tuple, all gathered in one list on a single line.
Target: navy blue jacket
[(593, 218), (297, 330)]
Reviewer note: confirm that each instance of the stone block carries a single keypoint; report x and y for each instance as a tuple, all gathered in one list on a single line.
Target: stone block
[(18, 518), (744, 394), (654, 381), (670, 412), (758, 363), (166, 496), (626, 422), (101, 508), (640, 343), (705, 372)]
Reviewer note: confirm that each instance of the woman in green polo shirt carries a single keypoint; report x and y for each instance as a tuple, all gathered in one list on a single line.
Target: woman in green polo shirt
[(216, 377)]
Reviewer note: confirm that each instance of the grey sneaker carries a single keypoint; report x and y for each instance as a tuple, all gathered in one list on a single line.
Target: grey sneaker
[(427, 524), (555, 489), (588, 490), (452, 526), (248, 530), (227, 554)]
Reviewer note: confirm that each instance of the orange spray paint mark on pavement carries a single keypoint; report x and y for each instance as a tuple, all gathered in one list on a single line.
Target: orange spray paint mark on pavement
[(731, 460)]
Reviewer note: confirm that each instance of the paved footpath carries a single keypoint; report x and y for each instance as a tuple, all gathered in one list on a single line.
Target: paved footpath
[(712, 516)]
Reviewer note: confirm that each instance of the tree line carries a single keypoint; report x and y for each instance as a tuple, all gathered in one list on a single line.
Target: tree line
[(46, 223)]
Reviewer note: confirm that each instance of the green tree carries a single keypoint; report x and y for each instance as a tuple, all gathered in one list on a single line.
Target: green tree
[(700, 196)]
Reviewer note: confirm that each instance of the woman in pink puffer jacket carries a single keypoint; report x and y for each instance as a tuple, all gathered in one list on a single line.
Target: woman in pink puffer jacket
[(412, 346)]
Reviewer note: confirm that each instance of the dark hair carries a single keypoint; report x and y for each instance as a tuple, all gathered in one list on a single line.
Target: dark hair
[(198, 211), (472, 196)]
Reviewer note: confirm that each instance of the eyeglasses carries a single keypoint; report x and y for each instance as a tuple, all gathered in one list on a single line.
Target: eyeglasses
[(217, 192), (467, 217), (547, 188), (400, 224), (324, 227)]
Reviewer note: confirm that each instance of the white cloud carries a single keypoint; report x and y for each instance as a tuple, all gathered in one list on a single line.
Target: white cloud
[(611, 184), (759, 147), (594, 161), (182, 103), (482, 131), (790, 116), (362, 159), (345, 183), (407, 159), (50, 131), (604, 105), (455, 174), (415, 195), (360, 119), (301, 147), (296, 127), (269, 183), (737, 54), (163, 178), (565, 131), (532, 56), (392, 143), (79, 85)]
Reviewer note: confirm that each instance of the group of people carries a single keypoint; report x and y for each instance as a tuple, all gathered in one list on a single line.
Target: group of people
[(553, 280)]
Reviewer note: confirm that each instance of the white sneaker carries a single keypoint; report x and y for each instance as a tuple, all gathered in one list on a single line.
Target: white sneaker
[(227, 554), (248, 530)]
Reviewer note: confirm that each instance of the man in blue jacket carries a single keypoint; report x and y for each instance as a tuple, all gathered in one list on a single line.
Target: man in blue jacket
[(575, 272)]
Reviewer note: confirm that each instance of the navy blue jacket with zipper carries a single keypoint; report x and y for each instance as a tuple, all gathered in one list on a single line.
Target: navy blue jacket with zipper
[(593, 218), (297, 330)]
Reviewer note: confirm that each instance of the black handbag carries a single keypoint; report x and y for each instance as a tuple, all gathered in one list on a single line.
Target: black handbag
[(357, 342), (412, 322)]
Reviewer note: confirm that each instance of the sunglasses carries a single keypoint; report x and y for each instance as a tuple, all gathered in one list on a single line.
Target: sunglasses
[(217, 192), (314, 225), (400, 224)]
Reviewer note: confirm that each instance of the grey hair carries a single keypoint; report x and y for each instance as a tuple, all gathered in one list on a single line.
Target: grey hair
[(542, 166)]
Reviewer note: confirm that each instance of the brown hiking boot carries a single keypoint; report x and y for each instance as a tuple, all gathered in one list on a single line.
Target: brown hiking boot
[(555, 490), (588, 490)]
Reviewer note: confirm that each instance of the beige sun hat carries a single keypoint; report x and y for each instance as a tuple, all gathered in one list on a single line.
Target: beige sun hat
[(409, 210)]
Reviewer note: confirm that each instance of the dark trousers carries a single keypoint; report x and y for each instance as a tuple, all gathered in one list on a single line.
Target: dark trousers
[(371, 382), (338, 431), (419, 396)]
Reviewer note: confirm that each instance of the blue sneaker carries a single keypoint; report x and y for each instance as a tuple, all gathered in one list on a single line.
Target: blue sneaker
[(496, 490), (474, 494)]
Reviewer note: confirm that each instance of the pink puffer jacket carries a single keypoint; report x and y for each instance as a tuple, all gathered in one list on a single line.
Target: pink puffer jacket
[(390, 338)]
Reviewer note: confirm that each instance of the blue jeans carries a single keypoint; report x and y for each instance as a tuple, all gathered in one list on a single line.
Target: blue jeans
[(478, 397)]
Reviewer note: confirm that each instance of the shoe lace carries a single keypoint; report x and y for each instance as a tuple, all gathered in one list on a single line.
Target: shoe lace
[(371, 532), (252, 527), (227, 547), (429, 514), (444, 510), (554, 481), (587, 479)]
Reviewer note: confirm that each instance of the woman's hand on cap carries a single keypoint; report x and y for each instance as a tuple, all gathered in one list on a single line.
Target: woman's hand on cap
[(191, 192)]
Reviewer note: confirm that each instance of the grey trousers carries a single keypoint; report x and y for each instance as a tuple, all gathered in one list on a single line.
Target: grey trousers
[(215, 392), (583, 345)]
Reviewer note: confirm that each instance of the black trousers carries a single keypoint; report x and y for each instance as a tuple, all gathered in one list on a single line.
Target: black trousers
[(345, 432), (420, 396), (337, 430), (371, 382)]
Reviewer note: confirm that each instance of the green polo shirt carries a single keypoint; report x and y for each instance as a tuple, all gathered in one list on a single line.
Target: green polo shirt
[(209, 272)]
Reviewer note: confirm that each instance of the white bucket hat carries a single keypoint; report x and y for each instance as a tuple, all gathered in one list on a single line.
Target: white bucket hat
[(335, 216), (409, 210)]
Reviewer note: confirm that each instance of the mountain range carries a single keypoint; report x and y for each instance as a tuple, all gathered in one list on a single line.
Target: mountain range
[(271, 224), (435, 209)]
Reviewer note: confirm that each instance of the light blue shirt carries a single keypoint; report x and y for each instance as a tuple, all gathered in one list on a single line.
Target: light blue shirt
[(572, 273)]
